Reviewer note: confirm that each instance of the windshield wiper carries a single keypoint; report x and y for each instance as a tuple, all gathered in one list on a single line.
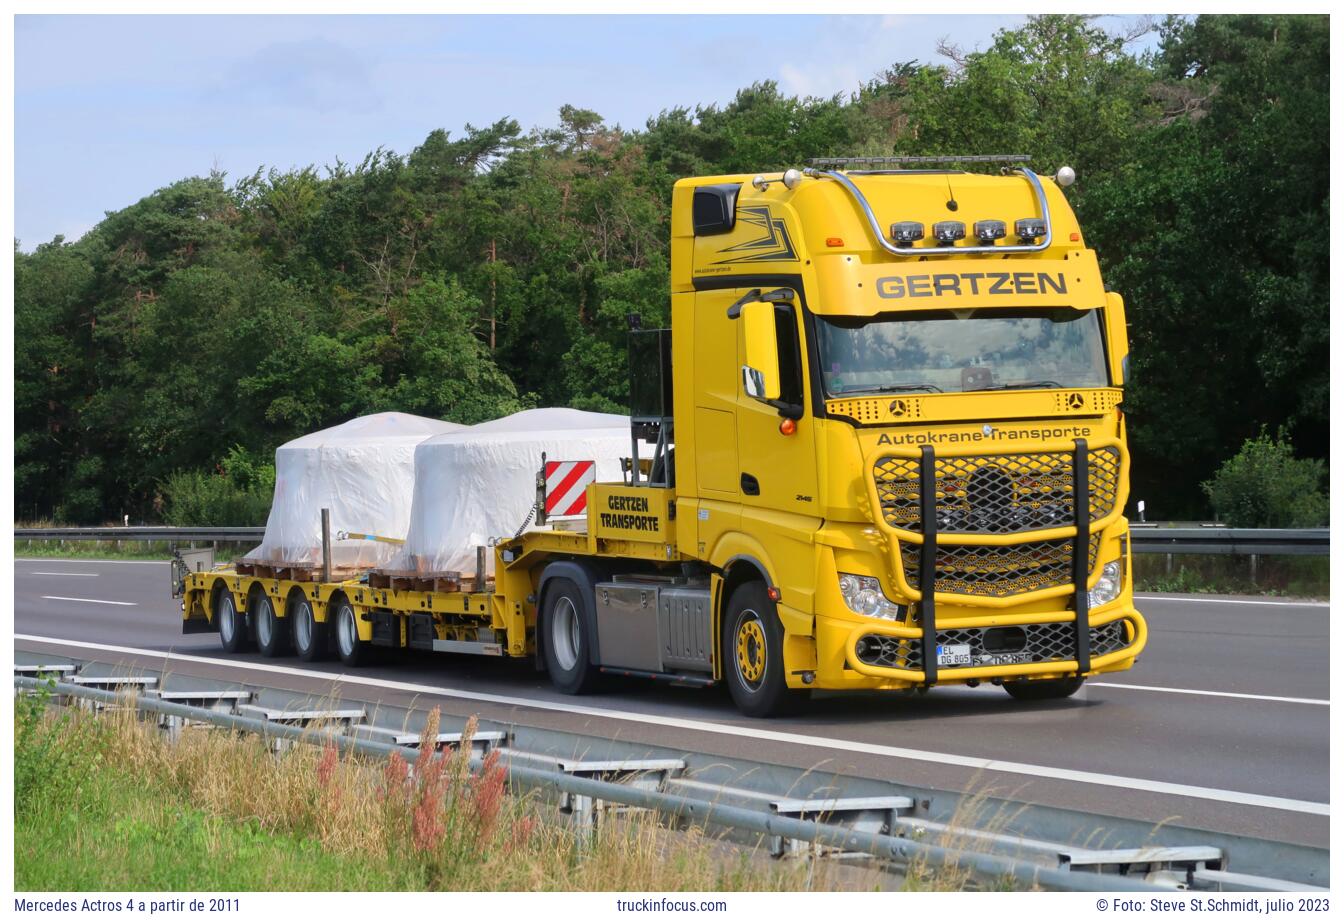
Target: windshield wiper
[(1028, 385), (895, 388)]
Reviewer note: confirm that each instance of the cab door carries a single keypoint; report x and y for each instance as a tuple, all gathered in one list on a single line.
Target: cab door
[(777, 467)]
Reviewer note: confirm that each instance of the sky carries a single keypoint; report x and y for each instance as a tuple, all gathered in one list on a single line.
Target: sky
[(109, 108)]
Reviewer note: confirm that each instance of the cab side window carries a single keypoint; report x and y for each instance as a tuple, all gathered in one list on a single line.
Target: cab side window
[(790, 357)]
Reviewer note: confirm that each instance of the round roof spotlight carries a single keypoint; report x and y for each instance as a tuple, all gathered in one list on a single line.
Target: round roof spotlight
[(947, 232), (1064, 178), (987, 231), (906, 232), (759, 183), (792, 179)]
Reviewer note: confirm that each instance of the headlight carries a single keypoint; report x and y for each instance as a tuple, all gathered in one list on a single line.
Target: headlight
[(863, 594), (1108, 585)]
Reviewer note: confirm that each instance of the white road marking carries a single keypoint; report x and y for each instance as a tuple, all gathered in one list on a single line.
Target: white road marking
[(1237, 696), (742, 731), (70, 574), (87, 600), (1183, 598)]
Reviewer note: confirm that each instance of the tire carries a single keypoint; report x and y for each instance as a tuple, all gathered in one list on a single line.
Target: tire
[(232, 627), (565, 639), (272, 635), (351, 650), (753, 655), (1035, 690), (309, 636)]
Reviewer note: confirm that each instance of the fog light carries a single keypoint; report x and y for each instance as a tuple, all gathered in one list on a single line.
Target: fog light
[(1107, 588), (863, 595)]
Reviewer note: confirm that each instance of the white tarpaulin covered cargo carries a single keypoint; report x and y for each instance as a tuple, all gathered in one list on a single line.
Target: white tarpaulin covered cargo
[(364, 471), (478, 484)]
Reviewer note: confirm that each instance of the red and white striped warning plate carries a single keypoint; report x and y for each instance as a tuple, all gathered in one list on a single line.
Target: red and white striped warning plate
[(566, 486)]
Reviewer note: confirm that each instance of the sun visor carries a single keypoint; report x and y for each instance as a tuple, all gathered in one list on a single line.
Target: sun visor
[(849, 288)]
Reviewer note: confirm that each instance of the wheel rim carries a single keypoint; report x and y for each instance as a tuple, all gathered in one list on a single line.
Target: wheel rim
[(346, 632), (565, 633), (265, 622), (226, 622), (751, 658), (303, 625)]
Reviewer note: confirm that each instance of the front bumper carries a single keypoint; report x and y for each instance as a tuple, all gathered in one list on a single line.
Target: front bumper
[(880, 654)]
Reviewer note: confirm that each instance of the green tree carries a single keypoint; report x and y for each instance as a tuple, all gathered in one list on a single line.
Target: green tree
[(1265, 485)]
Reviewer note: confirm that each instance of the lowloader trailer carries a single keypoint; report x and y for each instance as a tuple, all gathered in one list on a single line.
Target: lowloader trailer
[(887, 453)]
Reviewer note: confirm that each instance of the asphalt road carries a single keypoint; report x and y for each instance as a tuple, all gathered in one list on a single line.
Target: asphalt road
[(1223, 723)]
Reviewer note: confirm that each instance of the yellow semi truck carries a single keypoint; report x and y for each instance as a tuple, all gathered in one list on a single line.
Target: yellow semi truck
[(887, 453)]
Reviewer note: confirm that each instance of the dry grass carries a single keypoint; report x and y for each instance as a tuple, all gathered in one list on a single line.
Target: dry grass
[(435, 824)]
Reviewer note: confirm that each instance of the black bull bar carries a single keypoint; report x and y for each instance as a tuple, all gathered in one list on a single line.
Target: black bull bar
[(928, 554)]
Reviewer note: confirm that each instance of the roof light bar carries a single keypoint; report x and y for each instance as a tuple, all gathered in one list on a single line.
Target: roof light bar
[(847, 183)]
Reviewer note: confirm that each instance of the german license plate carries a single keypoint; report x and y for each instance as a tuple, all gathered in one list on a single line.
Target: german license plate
[(1005, 658), (949, 655)]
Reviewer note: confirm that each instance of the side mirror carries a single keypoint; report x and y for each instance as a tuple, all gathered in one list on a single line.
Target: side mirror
[(1117, 338), (760, 375)]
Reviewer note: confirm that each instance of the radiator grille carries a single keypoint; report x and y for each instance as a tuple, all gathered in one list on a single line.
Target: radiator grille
[(1018, 644), (998, 571), (1003, 493)]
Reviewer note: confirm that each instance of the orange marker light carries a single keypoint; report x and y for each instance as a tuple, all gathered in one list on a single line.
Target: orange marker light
[(834, 241), (1075, 236), (773, 593), (788, 426)]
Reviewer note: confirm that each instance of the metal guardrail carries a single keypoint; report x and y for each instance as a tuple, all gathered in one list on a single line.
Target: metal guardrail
[(1167, 855), (166, 534), (902, 850), (1145, 538), (1234, 541)]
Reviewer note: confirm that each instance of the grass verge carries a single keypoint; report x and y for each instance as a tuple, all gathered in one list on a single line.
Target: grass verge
[(90, 549), (107, 803), (1275, 576)]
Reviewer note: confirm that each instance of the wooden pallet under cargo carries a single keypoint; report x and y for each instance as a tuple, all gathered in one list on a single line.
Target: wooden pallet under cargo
[(294, 571), (441, 582)]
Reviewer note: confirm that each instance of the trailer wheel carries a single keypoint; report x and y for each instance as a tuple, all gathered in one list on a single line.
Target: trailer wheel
[(1034, 690), (566, 639), (232, 632), (310, 636), (353, 652), (272, 640), (753, 654)]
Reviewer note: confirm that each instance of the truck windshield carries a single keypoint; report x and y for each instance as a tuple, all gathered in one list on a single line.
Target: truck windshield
[(938, 351)]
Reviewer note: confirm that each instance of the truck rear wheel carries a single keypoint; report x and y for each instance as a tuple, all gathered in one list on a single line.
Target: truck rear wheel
[(565, 639), (1031, 690), (753, 654), (271, 638), (232, 630), (352, 650), (310, 636)]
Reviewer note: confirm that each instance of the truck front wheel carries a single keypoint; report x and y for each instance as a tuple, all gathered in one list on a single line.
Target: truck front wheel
[(753, 654), (565, 639), (1033, 690)]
